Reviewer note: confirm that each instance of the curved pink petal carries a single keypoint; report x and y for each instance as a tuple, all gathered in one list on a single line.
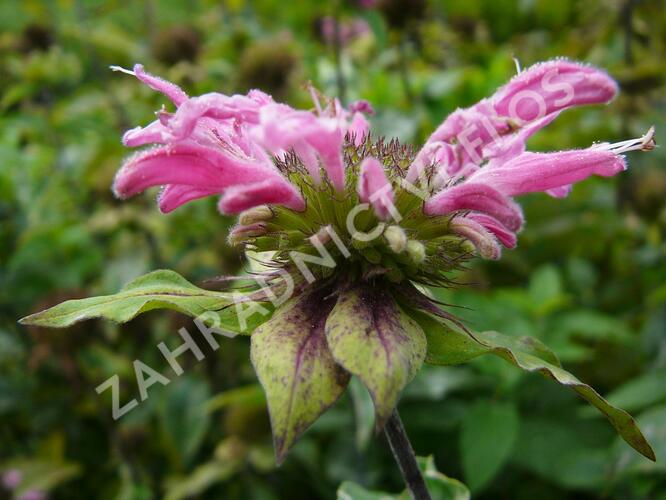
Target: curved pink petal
[(269, 192), (154, 133), (185, 164), (328, 143), (362, 106), (477, 197), (528, 99), (171, 90), (481, 238), (511, 145), (506, 237), (213, 105), (281, 128), (309, 158), (375, 188), (534, 172), (175, 195), (359, 128), (479, 121), (552, 86)]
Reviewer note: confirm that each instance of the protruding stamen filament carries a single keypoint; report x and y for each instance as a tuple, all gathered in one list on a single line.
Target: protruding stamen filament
[(643, 143), (122, 70)]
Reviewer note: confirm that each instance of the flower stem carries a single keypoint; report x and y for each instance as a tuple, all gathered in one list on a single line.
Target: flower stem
[(404, 455)]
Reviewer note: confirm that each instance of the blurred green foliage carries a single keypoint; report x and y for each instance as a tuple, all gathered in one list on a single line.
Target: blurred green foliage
[(588, 278)]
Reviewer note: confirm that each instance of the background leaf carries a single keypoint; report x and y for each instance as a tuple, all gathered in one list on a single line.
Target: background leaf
[(489, 430)]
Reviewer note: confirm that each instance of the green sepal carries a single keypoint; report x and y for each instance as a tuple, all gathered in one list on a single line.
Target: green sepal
[(374, 339), (161, 289), (448, 345), (295, 367)]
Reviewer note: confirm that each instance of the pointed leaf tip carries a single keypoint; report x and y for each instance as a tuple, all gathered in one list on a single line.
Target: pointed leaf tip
[(161, 289)]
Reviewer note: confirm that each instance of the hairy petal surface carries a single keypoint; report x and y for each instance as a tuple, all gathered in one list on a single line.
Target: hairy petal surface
[(375, 340), (295, 367)]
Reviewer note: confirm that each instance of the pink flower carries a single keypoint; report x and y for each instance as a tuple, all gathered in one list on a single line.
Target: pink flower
[(11, 478), (347, 30), (470, 168)]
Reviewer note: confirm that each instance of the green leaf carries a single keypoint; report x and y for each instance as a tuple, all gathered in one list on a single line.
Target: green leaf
[(373, 338), (184, 416), (295, 367), (200, 479), (249, 396), (641, 392), (157, 290), (654, 423), (545, 290), (353, 491), (449, 345), (566, 451), (439, 486), (489, 430)]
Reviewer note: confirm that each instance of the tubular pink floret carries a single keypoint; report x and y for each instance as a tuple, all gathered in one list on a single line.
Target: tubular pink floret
[(359, 128), (505, 237), (375, 188), (535, 172), (552, 86), (170, 90), (186, 164), (476, 197), (175, 195), (275, 191), (481, 238)]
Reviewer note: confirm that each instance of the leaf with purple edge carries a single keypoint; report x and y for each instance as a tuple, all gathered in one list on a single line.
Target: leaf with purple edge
[(295, 367), (375, 340)]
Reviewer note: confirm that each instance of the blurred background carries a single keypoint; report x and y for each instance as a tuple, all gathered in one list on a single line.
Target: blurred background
[(588, 277)]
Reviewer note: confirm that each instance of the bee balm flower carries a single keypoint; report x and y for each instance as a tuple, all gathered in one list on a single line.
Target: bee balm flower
[(355, 228)]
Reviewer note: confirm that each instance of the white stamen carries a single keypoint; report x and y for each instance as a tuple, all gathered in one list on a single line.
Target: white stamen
[(644, 143), (519, 70), (122, 70)]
